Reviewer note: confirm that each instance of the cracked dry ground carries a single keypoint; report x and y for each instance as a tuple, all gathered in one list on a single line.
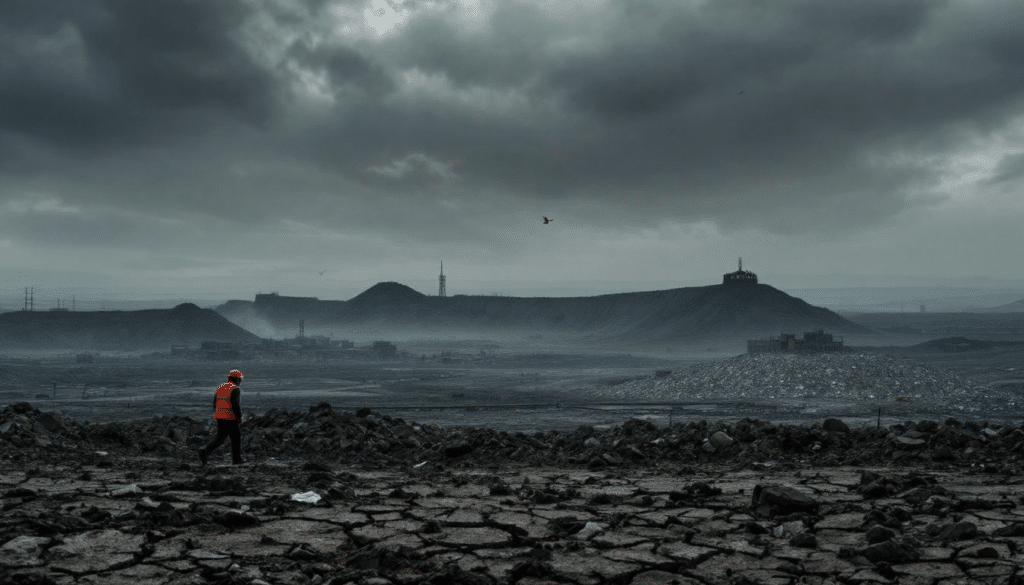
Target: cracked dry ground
[(161, 520)]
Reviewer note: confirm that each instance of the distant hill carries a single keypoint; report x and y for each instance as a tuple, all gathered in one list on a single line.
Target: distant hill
[(185, 324), (1014, 307), (741, 309), (386, 294)]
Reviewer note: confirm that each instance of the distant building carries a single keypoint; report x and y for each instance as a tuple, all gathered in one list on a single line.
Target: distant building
[(384, 349), (740, 276), (812, 342)]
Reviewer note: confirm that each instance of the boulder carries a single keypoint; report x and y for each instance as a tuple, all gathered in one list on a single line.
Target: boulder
[(958, 531), (23, 551), (894, 552), (834, 425), (774, 500), (720, 440)]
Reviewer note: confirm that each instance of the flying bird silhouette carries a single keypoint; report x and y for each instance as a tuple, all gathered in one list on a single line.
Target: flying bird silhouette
[(321, 273), (546, 220)]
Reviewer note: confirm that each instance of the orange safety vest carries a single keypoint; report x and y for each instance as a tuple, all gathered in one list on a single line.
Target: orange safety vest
[(222, 407)]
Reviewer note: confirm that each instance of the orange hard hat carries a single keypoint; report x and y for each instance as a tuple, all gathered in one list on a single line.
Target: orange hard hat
[(235, 374)]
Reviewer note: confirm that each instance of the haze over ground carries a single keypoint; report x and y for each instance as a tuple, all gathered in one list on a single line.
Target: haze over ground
[(212, 150)]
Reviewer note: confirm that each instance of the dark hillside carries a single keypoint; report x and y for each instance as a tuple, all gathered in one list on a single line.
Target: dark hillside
[(1014, 307), (383, 295), (728, 309), (185, 324), (741, 309)]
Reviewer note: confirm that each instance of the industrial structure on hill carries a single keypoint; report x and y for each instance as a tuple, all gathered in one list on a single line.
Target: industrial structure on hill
[(740, 276), (812, 342), (739, 306)]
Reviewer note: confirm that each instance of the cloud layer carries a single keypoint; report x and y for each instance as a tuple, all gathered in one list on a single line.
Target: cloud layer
[(219, 127)]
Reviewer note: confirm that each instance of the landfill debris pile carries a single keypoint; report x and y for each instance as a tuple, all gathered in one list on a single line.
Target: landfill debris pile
[(854, 376), (370, 439)]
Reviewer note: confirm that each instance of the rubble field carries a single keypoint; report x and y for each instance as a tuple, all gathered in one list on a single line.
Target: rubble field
[(335, 497)]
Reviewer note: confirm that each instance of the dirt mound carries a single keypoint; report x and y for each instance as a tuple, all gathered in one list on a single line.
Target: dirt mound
[(153, 328), (384, 294)]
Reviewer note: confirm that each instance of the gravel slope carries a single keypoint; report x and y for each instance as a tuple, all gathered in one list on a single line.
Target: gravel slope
[(849, 376)]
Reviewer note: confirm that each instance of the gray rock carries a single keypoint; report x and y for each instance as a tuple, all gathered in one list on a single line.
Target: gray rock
[(958, 531), (834, 425), (720, 440), (774, 500), (909, 442), (23, 551), (877, 534), (804, 540), (95, 551), (51, 422), (893, 552)]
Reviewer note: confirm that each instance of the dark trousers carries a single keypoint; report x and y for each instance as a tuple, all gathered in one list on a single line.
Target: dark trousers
[(225, 429)]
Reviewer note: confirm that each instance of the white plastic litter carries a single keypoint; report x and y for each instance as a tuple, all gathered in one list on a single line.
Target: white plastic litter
[(306, 497), (420, 464)]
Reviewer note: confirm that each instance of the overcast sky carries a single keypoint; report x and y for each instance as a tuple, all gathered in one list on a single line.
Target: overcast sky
[(218, 149)]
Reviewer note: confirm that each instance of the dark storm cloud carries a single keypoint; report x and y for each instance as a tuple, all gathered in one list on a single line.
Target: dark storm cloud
[(1010, 168), (121, 73), (792, 116)]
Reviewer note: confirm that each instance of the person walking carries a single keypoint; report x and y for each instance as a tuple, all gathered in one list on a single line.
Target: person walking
[(228, 412)]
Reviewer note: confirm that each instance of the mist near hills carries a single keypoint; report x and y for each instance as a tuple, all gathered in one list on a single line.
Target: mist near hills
[(185, 324), (1014, 307), (726, 310)]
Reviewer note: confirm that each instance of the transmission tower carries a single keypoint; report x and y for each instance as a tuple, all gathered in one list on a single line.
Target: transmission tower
[(441, 290)]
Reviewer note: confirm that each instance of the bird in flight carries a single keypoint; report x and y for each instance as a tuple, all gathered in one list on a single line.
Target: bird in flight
[(321, 273), (546, 220)]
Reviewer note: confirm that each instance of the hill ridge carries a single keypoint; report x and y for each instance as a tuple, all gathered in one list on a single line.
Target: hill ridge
[(723, 309), (185, 324)]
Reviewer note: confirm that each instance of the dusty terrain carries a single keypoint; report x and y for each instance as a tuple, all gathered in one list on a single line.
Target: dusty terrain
[(335, 497), (479, 461)]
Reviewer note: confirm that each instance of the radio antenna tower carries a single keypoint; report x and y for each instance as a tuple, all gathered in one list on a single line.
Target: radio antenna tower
[(441, 290)]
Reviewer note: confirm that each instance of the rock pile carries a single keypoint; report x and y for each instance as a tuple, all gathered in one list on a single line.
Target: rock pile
[(368, 438), (852, 376)]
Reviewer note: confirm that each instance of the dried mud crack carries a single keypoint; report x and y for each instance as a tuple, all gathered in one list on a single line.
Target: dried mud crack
[(748, 502)]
